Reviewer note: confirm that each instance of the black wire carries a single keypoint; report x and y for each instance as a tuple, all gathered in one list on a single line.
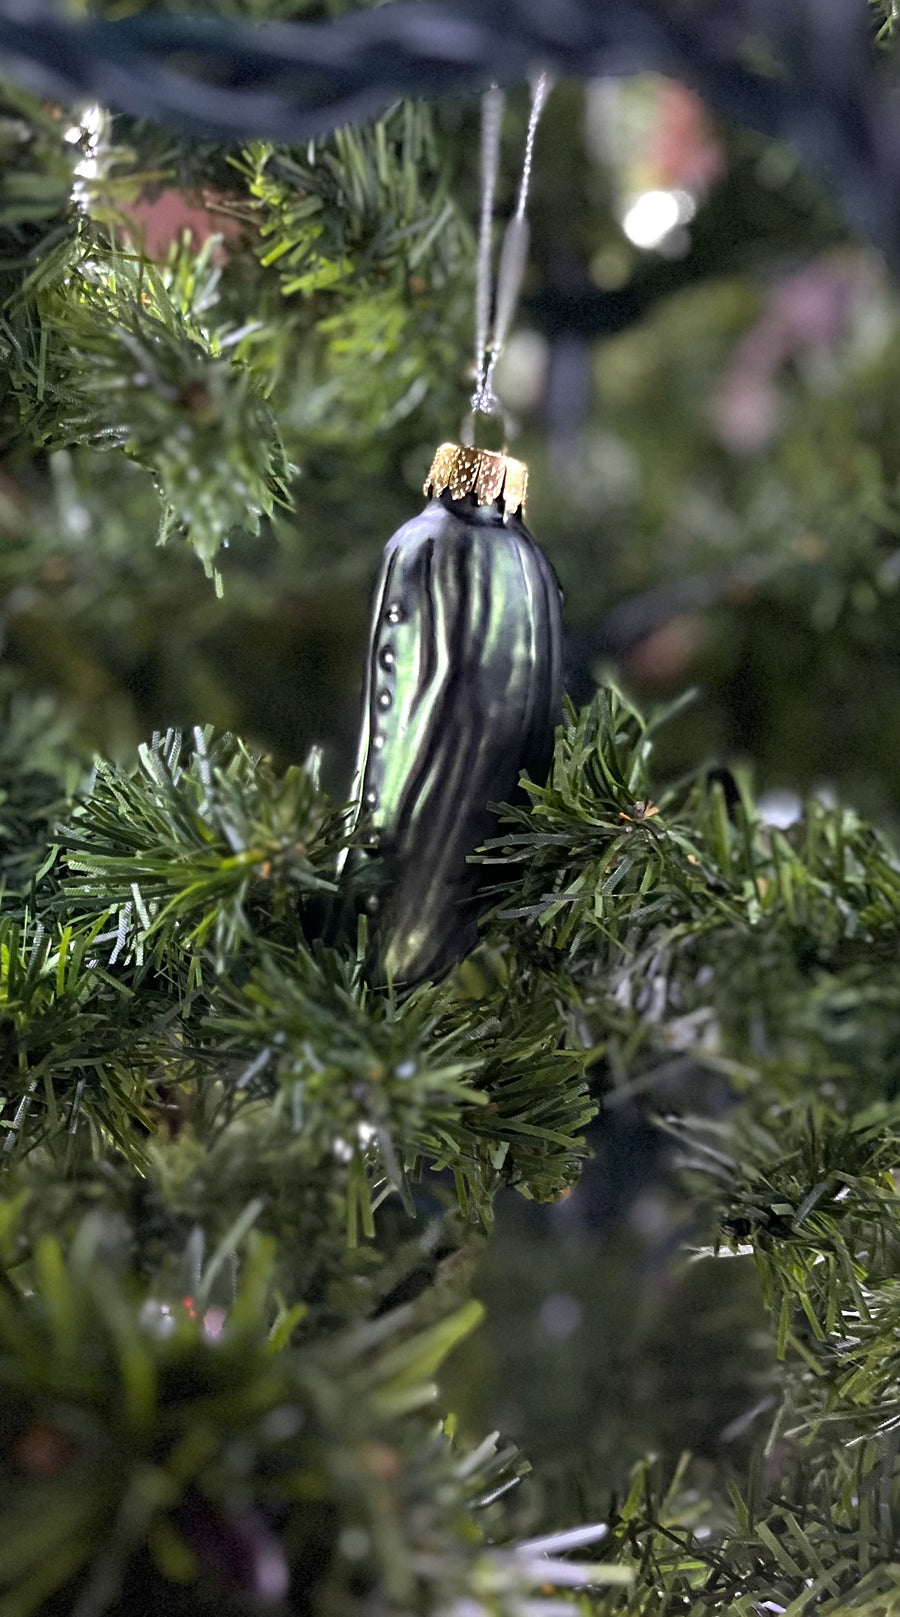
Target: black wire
[(802, 71)]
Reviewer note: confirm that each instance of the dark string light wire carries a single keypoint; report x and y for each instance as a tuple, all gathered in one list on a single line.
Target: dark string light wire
[(804, 73)]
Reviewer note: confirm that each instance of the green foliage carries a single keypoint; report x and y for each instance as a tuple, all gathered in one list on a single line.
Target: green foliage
[(264, 1082), (885, 16), (212, 1124), (75, 1057), (419, 1079), (361, 227), (102, 349), (145, 1447), (809, 1541), (114, 331), (172, 951), (695, 938), (39, 770), (36, 179), (193, 857), (612, 877), (685, 926)]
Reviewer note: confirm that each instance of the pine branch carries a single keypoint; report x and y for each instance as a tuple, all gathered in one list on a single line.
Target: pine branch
[(37, 177), (198, 870), (628, 931), (40, 767), (364, 263), (73, 1061), (189, 1452), (195, 850), (690, 934), (487, 1091), (362, 228), (117, 360), (810, 1541)]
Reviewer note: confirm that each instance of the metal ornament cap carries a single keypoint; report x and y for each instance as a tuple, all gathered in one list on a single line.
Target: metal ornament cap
[(489, 476)]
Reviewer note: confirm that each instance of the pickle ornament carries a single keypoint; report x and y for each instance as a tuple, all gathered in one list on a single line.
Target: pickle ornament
[(463, 692)]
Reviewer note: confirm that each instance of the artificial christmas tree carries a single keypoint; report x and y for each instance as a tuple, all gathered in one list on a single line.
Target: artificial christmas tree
[(566, 1280)]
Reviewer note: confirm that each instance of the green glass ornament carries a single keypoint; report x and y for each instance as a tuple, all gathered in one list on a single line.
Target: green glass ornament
[(463, 692)]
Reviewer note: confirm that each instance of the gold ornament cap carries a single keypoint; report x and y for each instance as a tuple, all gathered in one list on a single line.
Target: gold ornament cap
[(465, 470)]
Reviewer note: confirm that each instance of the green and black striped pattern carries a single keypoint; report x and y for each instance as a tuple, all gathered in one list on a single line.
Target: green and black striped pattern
[(463, 691)]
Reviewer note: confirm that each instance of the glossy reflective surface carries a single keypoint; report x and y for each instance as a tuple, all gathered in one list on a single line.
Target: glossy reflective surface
[(464, 689)]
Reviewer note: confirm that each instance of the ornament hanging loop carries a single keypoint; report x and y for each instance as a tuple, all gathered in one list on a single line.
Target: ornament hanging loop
[(489, 343)]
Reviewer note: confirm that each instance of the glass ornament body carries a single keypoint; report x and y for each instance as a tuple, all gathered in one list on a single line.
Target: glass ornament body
[(463, 692)]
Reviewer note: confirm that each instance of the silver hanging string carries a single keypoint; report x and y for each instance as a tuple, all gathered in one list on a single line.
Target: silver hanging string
[(513, 254), (492, 105)]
